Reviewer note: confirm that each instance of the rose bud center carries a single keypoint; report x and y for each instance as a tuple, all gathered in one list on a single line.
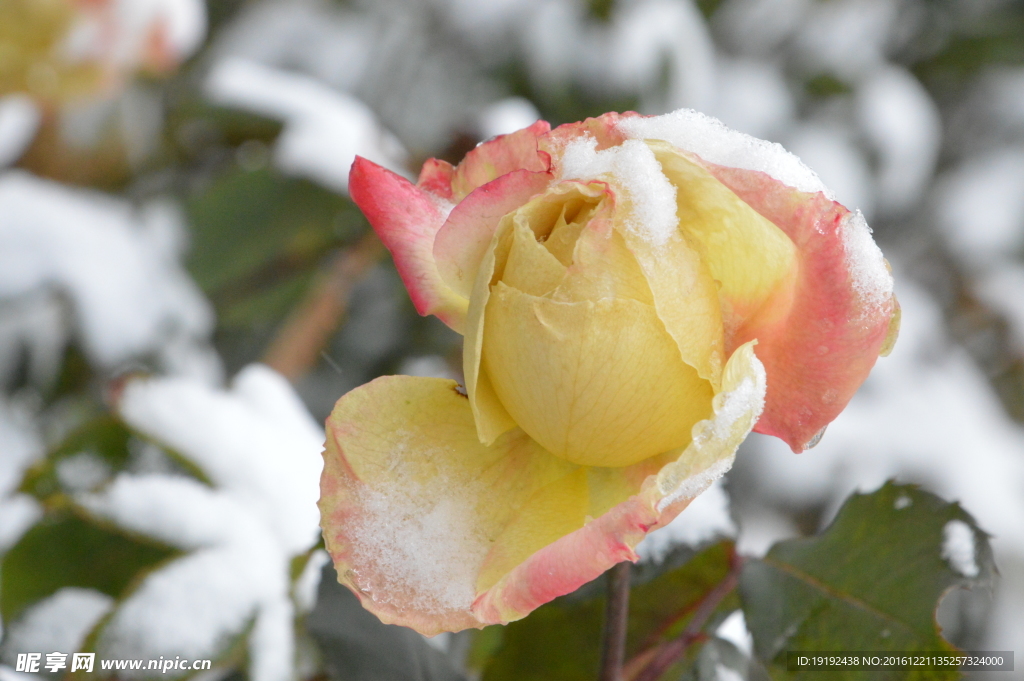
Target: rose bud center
[(573, 346)]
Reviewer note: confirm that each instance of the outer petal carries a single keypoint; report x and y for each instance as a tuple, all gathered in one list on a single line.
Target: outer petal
[(463, 239), (436, 178), (406, 218), (819, 341), (437, 532), (500, 156)]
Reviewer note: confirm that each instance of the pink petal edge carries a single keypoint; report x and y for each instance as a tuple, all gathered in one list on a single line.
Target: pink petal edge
[(407, 219), (818, 354)]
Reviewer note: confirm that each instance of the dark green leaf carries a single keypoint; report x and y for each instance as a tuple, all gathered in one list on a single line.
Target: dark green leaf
[(105, 438), (66, 549), (871, 581), (356, 646)]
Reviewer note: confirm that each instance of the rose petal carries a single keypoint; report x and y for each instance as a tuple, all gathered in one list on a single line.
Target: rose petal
[(463, 239), (500, 156), (436, 178), (576, 558), (751, 258), (435, 531), (406, 219), (686, 298), (820, 342), (626, 393)]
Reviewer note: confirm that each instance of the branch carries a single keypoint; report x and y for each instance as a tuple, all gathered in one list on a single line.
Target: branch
[(613, 645), (661, 658), (297, 347)]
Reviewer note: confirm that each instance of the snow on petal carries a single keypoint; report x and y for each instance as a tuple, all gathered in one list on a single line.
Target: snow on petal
[(819, 345)]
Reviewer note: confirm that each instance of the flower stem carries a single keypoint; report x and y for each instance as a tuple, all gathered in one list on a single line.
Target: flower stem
[(671, 652), (613, 646)]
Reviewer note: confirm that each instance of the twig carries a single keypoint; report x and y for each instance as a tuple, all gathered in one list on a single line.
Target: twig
[(297, 346), (613, 645), (670, 653)]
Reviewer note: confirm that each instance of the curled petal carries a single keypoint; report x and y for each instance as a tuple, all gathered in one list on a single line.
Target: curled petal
[(820, 336), (436, 178), (435, 531), (463, 239), (407, 218), (499, 156)]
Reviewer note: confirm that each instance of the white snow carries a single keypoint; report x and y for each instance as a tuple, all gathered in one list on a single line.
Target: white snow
[(734, 630), (20, 447), (706, 518), (958, 547), (261, 451), (325, 129), (411, 529), (651, 40), (752, 97), (902, 123), (631, 165), (128, 295), (118, 32), (999, 286), (19, 120), (831, 151), (710, 139), (980, 205), (59, 622), (868, 273)]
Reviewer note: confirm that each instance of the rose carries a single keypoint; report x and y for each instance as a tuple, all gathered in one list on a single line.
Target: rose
[(66, 49), (636, 293)]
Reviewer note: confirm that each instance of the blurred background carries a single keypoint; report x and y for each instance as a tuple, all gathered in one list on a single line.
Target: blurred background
[(173, 179)]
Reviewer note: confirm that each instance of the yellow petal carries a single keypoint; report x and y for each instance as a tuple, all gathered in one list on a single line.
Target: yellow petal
[(685, 297), (531, 267), (749, 255), (715, 440), (412, 502), (596, 382)]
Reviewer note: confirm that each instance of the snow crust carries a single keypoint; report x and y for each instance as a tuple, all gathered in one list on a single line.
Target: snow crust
[(631, 165), (864, 259), (958, 547), (710, 139), (260, 449), (410, 529), (325, 129), (706, 518), (60, 622), (129, 294)]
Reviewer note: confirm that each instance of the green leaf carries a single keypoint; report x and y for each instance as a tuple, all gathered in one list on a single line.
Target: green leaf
[(561, 641), (871, 581), (105, 438), (67, 549)]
